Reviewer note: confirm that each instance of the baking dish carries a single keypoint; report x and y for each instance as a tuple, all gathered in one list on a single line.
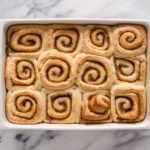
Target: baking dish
[(5, 124)]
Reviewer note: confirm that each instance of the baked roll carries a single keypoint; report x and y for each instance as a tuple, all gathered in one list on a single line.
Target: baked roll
[(97, 40), (93, 72), (129, 40), (56, 70), (65, 39), (25, 107), (130, 70), (65, 74), (22, 73), (96, 107), (26, 40), (63, 106), (128, 103)]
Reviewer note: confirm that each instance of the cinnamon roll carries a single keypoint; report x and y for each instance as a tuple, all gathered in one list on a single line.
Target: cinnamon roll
[(56, 70), (75, 73), (129, 40), (96, 107), (65, 39), (128, 103), (93, 72), (97, 40), (131, 70), (62, 106), (26, 40), (24, 107), (22, 73)]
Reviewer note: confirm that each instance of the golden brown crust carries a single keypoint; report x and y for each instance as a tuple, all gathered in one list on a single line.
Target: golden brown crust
[(26, 40), (84, 73), (56, 70), (93, 72), (130, 70), (97, 40), (96, 107), (24, 107), (129, 40), (128, 103), (22, 73), (62, 106), (65, 39)]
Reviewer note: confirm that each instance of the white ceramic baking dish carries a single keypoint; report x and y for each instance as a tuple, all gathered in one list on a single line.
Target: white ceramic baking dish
[(5, 124)]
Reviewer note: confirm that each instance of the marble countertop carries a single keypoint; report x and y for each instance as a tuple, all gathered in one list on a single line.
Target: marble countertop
[(72, 140)]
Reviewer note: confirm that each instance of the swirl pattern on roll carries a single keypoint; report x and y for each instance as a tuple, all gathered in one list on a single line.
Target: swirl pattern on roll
[(128, 103), (25, 40), (21, 73), (96, 107), (127, 70), (93, 72), (24, 107), (127, 106), (130, 70), (55, 70), (97, 40), (129, 40), (60, 107), (65, 38)]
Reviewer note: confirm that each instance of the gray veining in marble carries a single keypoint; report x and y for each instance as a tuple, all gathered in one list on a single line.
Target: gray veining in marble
[(74, 140)]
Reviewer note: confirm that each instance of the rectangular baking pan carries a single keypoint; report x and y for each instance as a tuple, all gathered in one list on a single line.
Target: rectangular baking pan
[(5, 124)]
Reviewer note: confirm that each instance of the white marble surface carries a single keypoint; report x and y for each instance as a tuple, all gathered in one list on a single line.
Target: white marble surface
[(72, 140)]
